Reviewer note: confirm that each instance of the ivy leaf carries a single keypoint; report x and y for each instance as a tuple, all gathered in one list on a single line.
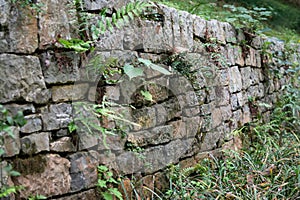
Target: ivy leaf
[(147, 95), (115, 192), (132, 71), (101, 183), (107, 196)]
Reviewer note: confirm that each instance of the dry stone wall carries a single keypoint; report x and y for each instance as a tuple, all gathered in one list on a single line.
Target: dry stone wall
[(215, 69)]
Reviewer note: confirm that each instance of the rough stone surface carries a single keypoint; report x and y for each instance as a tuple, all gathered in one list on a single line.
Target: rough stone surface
[(51, 179), (63, 144), (193, 111), (35, 143), (33, 124), (19, 30), (60, 68), (69, 92), (83, 169), (56, 21), (11, 145), (22, 79), (235, 81)]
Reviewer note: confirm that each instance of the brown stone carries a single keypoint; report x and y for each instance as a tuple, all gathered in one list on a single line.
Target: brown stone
[(46, 175)]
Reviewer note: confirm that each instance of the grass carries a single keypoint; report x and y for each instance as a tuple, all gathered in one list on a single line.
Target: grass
[(268, 167), (284, 21)]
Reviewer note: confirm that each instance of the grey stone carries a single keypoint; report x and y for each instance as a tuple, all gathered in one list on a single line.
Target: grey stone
[(63, 144), (83, 169), (69, 92), (230, 33), (26, 109), (35, 143), (19, 30), (199, 27), (246, 77), (11, 143), (50, 122), (215, 30), (56, 21), (216, 117), (226, 112), (145, 117), (155, 136), (111, 143), (235, 81), (192, 127), (22, 79), (46, 175), (253, 58), (224, 77), (100, 4), (60, 67), (34, 124), (58, 116), (237, 119), (111, 40)]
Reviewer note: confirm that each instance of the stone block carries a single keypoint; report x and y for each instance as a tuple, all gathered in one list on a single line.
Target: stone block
[(200, 27), (94, 5), (35, 143), (145, 117), (252, 58), (154, 136), (69, 92), (63, 144), (83, 170), (215, 30), (58, 116), (216, 117), (235, 80), (34, 124), (230, 33), (22, 79), (226, 112), (246, 77), (46, 175), (26, 109), (61, 67), (56, 21), (11, 144), (224, 77), (192, 127), (19, 29)]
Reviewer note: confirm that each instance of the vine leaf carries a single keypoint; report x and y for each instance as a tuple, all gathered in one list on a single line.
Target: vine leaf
[(147, 95), (153, 66), (132, 71)]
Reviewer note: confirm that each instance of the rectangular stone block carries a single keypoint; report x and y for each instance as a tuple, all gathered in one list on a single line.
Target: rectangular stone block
[(58, 20), (19, 29), (69, 92), (22, 79)]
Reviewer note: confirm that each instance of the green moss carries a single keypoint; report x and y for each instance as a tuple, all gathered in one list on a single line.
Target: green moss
[(32, 165)]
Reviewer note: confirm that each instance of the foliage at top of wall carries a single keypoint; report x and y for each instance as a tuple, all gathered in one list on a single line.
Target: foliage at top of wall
[(269, 17)]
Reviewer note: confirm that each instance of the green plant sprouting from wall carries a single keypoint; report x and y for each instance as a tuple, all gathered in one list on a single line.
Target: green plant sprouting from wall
[(106, 183), (105, 23), (88, 116), (118, 19), (7, 122)]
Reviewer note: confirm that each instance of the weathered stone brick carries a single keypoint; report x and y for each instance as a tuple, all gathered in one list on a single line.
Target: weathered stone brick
[(235, 80)]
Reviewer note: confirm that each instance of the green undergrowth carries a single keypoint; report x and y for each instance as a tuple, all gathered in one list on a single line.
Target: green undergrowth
[(267, 167), (269, 17)]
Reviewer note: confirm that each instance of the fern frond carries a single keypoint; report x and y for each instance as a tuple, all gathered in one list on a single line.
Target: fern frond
[(121, 16)]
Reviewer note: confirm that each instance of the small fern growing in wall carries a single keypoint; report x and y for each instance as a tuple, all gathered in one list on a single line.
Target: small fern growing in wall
[(118, 18)]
